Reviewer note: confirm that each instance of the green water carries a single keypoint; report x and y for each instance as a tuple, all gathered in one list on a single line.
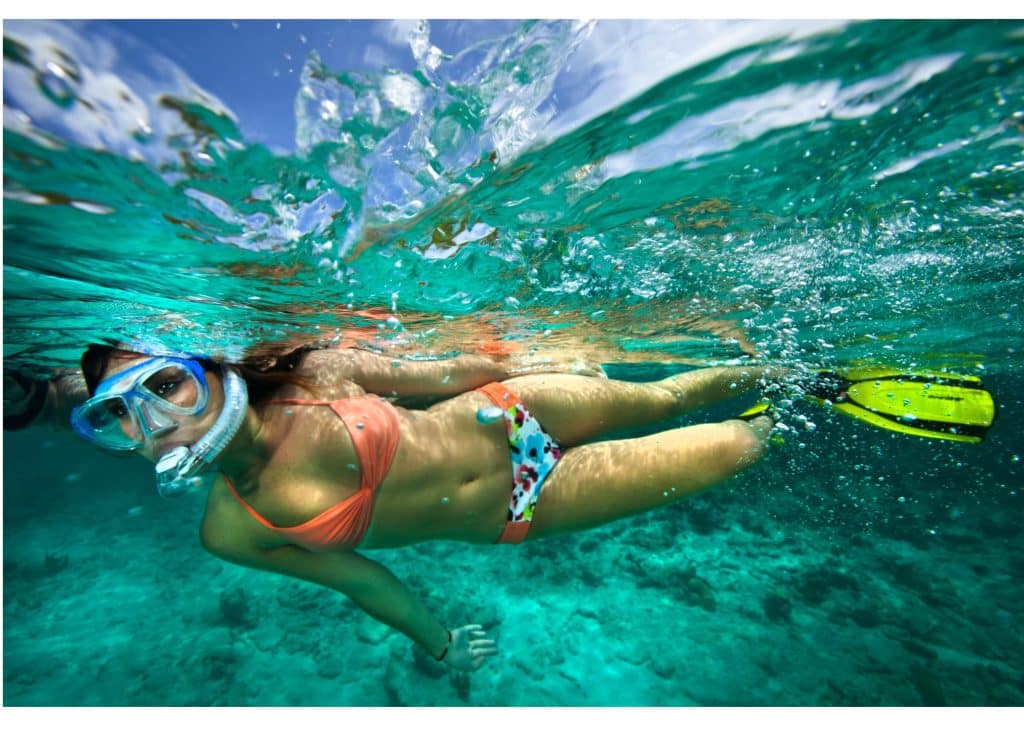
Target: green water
[(838, 194), (874, 167)]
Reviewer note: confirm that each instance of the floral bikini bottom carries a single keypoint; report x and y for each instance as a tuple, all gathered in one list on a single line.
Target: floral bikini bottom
[(534, 454)]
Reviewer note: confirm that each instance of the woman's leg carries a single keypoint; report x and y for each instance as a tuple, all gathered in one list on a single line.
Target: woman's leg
[(598, 483), (575, 409)]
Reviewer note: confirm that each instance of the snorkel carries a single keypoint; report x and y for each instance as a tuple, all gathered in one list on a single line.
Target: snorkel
[(177, 471)]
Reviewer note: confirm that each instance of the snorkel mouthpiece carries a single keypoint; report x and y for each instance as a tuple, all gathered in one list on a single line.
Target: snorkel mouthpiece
[(173, 473), (177, 470)]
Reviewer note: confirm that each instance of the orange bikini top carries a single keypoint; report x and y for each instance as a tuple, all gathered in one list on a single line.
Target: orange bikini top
[(372, 424)]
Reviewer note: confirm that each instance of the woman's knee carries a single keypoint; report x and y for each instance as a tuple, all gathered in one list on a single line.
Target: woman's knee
[(747, 441)]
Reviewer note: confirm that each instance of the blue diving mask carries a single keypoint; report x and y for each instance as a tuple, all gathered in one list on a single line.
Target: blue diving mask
[(145, 401), (142, 403)]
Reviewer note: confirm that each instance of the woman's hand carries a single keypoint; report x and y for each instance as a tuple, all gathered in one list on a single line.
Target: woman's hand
[(24, 400), (469, 648)]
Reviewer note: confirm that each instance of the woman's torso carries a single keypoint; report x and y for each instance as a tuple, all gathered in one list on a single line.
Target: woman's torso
[(450, 477)]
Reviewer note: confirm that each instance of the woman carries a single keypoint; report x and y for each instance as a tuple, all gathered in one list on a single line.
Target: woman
[(314, 463)]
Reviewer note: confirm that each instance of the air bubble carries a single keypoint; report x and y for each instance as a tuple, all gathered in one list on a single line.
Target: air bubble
[(55, 85), (485, 415)]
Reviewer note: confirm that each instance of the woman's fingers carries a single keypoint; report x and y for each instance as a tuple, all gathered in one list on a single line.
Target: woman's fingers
[(481, 654), (480, 646)]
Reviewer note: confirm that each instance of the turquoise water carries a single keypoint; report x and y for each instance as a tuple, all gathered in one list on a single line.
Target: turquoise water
[(649, 196)]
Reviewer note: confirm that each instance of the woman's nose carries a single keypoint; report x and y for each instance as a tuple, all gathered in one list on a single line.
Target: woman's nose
[(156, 424)]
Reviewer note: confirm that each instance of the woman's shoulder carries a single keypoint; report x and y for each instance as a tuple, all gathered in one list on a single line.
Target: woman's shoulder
[(316, 392), (330, 372), (303, 373), (337, 360)]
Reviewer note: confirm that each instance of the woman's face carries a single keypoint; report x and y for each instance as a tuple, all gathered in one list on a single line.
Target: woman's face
[(181, 429)]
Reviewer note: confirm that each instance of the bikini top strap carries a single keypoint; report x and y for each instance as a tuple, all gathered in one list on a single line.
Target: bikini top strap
[(256, 515), (373, 426)]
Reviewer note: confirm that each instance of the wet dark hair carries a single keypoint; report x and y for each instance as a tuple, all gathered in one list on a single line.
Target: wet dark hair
[(263, 378)]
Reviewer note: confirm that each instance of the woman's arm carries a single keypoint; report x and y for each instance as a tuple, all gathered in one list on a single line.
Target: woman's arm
[(434, 378), (369, 584), (373, 588), (29, 401), (393, 376)]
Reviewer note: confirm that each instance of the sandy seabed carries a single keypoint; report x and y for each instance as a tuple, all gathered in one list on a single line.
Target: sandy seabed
[(734, 597)]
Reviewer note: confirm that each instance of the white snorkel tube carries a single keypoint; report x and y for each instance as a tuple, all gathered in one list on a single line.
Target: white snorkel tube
[(177, 471)]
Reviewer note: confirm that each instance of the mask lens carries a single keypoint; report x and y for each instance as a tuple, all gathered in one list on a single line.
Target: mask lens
[(174, 384), (110, 423), (116, 408)]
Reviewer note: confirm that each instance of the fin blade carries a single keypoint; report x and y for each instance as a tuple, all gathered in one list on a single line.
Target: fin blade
[(859, 374), (943, 406), (910, 401), (950, 432), (756, 410)]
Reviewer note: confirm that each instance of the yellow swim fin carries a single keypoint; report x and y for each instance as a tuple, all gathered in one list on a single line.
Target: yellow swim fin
[(762, 409), (941, 406), (757, 410)]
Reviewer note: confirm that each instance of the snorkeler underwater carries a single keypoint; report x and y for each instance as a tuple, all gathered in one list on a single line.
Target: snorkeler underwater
[(513, 363)]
